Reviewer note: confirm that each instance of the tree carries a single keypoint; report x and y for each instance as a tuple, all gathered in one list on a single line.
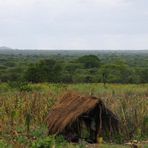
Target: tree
[(44, 71), (89, 61), (115, 73), (143, 74)]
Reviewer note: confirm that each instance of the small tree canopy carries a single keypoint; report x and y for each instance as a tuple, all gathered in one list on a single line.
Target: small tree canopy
[(89, 61)]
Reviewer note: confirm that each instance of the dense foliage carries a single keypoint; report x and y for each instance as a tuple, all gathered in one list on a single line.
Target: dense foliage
[(74, 66)]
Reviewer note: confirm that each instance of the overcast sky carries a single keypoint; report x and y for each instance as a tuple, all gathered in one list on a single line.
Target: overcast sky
[(74, 24)]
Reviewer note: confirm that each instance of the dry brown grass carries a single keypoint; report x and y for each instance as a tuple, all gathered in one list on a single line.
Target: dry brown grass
[(128, 102)]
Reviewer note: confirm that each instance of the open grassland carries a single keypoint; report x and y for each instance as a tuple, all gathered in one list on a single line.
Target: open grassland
[(23, 110)]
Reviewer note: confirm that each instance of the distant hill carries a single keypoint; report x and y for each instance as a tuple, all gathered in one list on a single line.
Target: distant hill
[(5, 48)]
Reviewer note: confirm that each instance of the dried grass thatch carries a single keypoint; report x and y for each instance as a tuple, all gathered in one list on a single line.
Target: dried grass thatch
[(71, 106)]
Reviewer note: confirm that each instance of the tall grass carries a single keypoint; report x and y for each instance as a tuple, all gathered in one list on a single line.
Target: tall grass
[(29, 108)]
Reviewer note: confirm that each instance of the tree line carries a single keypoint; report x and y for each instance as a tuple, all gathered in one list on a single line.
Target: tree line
[(74, 69), (85, 69)]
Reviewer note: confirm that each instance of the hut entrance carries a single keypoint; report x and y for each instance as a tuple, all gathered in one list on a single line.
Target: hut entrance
[(86, 128)]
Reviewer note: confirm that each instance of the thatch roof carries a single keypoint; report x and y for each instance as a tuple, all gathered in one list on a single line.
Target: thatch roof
[(69, 108)]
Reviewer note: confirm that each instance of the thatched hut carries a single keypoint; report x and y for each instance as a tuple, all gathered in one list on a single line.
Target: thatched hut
[(81, 117)]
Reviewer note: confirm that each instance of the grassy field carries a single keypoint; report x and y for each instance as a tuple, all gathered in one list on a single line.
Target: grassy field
[(23, 109)]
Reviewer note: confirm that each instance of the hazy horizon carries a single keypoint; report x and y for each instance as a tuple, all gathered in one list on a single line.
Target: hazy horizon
[(74, 24), (9, 48)]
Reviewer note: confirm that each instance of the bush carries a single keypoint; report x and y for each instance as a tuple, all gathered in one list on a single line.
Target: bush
[(4, 144), (49, 141), (21, 86)]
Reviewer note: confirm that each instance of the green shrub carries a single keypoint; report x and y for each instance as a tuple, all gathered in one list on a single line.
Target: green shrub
[(21, 86), (4, 144), (47, 142)]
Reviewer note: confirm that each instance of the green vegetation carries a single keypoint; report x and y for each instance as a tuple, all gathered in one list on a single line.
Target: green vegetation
[(32, 81), (74, 66), (23, 111)]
